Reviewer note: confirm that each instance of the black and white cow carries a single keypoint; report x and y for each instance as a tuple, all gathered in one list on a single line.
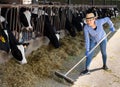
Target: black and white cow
[(77, 20), (114, 12), (69, 27), (9, 43), (27, 32), (74, 21), (68, 22), (104, 12), (48, 30), (17, 49)]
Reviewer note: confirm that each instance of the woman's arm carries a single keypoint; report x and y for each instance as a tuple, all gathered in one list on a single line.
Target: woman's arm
[(87, 39), (108, 21)]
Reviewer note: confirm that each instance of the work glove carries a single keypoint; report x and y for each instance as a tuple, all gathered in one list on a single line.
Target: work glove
[(87, 53), (112, 29)]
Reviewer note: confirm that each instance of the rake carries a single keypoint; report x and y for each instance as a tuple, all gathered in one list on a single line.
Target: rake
[(70, 80)]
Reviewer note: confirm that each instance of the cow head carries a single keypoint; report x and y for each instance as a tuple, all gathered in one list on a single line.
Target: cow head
[(22, 53), (18, 53), (25, 19)]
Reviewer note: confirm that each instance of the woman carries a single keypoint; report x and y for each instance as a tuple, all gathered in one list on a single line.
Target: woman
[(94, 32)]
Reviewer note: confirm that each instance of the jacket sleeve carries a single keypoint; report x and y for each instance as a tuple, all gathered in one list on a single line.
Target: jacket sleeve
[(87, 39), (107, 20)]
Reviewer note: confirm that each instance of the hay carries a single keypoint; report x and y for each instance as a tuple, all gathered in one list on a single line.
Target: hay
[(43, 64), (15, 75)]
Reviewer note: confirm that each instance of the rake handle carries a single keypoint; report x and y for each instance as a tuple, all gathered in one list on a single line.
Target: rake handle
[(88, 54)]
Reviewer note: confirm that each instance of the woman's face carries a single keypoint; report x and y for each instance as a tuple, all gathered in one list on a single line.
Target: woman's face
[(90, 21)]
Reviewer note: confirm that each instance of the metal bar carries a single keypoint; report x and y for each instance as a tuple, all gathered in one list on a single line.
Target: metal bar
[(71, 5)]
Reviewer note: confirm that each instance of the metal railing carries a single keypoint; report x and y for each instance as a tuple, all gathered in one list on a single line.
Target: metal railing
[(16, 26)]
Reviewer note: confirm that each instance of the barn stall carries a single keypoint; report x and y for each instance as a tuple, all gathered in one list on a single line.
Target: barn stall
[(44, 60)]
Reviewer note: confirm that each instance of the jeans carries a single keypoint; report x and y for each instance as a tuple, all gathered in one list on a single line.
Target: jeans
[(103, 45)]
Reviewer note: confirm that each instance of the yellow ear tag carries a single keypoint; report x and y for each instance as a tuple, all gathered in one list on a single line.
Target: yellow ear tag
[(2, 39)]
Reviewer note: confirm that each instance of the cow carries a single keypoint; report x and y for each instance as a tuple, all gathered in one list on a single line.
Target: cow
[(16, 48), (48, 29), (8, 42), (69, 27), (27, 32), (74, 21), (104, 12), (65, 22), (77, 20), (114, 11)]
